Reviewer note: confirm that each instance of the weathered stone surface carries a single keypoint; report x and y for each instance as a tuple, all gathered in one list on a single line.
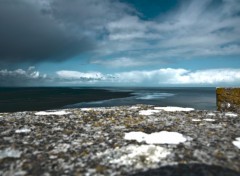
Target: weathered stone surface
[(228, 99), (95, 141)]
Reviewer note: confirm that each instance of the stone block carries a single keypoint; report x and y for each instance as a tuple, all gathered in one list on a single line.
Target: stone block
[(228, 99)]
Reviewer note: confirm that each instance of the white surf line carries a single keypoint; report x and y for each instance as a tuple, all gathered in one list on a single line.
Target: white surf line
[(52, 113), (163, 137), (173, 109), (237, 142)]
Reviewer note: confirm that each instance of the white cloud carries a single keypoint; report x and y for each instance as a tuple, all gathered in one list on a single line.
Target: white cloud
[(20, 77), (75, 75), (181, 76), (211, 76), (127, 28), (121, 62), (160, 77), (195, 29)]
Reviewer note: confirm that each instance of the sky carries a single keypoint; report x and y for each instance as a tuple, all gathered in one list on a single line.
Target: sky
[(120, 43)]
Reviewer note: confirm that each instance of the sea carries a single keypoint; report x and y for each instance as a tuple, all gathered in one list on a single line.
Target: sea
[(201, 98), (46, 98)]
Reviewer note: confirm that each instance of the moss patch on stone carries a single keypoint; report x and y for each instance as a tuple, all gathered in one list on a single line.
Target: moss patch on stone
[(228, 99)]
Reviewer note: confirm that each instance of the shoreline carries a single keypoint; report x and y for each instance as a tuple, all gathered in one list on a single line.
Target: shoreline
[(120, 140)]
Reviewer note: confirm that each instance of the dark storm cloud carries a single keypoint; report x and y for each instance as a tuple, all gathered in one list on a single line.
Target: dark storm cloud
[(89, 14), (28, 35), (52, 30)]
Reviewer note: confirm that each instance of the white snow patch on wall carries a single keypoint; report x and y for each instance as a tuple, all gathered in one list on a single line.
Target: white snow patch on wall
[(57, 129), (237, 142), (61, 148), (173, 109), (228, 105), (23, 130), (230, 114), (196, 120), (10, 153), (148, 112), (209, 120), (134, 107), (211, 114), (86, 109), (163, 137), (141, 155), (52, 113), (97, 109), (138, 136)]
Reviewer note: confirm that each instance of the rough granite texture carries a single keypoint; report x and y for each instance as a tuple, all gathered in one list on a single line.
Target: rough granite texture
[(91, 142), (228, 99)]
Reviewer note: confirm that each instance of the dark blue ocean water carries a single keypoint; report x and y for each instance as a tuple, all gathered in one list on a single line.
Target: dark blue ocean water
[(45, 98), (197, 97)]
